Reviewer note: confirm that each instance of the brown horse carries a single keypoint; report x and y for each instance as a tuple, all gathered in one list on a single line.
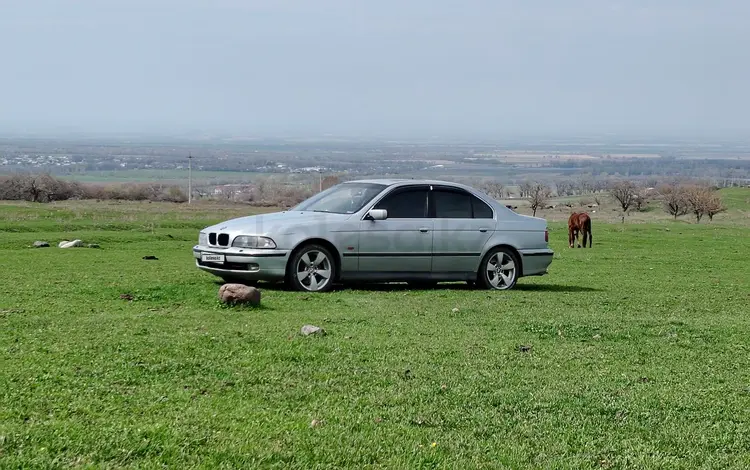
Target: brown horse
[(579, 223)]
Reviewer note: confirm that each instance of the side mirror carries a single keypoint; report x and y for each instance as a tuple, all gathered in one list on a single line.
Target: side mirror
[(377, 214)]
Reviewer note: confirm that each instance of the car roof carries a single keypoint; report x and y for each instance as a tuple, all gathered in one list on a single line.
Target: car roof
[(499, 208), (402, 181)]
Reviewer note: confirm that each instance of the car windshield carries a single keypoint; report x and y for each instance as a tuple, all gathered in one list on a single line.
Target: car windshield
[(345, 198)]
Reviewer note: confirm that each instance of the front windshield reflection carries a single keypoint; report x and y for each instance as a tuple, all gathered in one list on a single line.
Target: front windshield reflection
[(345, 198)]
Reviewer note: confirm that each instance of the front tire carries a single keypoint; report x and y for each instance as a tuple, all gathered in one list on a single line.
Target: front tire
[(312, 269), (499, 269)]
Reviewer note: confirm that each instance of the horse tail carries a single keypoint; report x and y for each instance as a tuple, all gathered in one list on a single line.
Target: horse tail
[(588, 229)]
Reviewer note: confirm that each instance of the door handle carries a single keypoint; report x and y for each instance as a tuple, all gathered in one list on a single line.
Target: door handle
[(424, 229), (482, 230)]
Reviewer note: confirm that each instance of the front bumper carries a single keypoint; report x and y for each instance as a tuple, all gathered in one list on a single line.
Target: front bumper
[(245, 264), (536, 262)]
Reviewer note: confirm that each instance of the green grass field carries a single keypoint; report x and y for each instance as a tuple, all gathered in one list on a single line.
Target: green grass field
[(639, 355)]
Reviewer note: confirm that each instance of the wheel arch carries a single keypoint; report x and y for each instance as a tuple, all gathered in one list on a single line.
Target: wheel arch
[(318, 241)]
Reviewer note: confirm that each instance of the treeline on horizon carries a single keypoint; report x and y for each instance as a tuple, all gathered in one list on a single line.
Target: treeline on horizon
[(45, 188), (281, 192)]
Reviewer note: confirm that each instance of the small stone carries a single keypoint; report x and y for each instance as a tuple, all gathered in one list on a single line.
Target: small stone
[(525, 348), (234, 294), (308, 330), (69, 244), (597, 336), (455, 310), (149, 257), (92, 245), (39, 244), (316, 423)]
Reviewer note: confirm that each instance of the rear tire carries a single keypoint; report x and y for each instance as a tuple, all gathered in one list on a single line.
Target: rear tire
[(311, 269), (499, 270)]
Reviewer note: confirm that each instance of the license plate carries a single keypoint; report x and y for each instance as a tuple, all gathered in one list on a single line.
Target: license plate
[(210, 258)]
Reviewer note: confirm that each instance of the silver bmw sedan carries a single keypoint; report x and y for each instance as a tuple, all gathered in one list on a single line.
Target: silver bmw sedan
[(416, 231)]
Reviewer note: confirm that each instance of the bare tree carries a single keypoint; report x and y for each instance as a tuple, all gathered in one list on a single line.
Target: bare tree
[(600, 186), (624, 193), (641, 199), (703, 200), (564, 188), (538, 195), (494, 189), (29, 188), (714, 206), (33, 190), (13, 188), (586, 185), (525, 189), (674, 200), (697, 197)]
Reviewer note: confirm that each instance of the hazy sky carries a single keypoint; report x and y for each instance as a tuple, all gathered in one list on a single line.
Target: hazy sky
[(423, 67)]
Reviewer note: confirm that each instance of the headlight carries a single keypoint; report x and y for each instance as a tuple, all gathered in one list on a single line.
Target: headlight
[(245, 241), (203, 239)]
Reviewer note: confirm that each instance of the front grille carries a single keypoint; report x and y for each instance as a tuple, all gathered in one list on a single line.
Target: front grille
[(220, 239)]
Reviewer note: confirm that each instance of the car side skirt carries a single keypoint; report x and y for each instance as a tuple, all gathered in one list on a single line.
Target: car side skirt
[(407, 276)]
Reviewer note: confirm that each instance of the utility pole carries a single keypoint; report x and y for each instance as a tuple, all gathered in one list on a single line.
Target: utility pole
[(320, 181), (190, 178)]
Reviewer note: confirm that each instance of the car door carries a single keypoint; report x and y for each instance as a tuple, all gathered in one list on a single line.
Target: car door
[(402, 243), (462, 225)]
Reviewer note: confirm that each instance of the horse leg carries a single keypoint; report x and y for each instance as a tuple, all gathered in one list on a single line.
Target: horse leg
[(585, 235)]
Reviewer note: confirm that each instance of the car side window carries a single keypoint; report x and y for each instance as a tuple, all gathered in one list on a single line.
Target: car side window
[(452, 204), (459, 205), (480, 208), (405, 204)]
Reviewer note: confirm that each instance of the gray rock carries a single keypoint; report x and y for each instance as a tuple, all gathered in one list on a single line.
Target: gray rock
[(73, 244), (233, 294), (308, 330), (39, 244), (92, 245)]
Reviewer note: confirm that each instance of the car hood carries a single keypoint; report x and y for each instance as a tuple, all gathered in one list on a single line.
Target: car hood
[(277, 222)]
